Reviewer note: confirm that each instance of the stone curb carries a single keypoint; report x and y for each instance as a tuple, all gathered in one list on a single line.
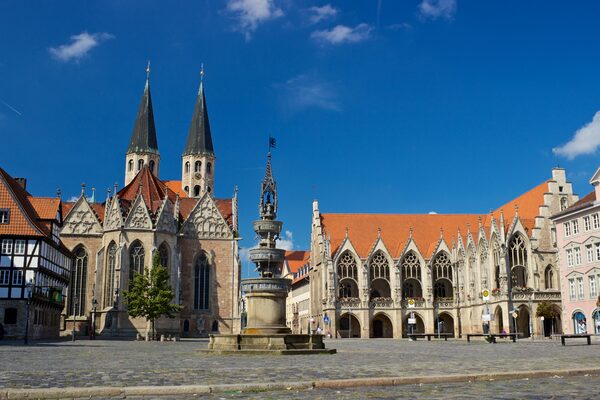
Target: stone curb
[(122, 392)]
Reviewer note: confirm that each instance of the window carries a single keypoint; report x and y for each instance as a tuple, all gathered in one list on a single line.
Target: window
[(197, 190), (518, 261), (130, 165), (136, 260), (593, 291), (589, 249), (140, 164), (549, 277), (187, 190), (569, 257), (19, 246), (78, 282), (152, 166), (4, 216), (197, 166), (572, 292), (379, 267), (577, 255), (575, 227), (187, 167), (596, 221), (10, 316), (17, 279), (597, 246), (7, 246), (201, 283), (580, 287), (163, 252), (109, 280), (567, 229), (563, 204), (4, 277), (208, 168), (587, 223)]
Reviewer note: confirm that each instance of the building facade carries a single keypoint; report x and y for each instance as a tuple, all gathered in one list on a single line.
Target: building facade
[(578, 241), (194, 233), (35, 265), (365, 268)]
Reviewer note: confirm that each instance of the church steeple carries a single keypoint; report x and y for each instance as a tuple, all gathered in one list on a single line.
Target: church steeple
[(198, 162), (143, 146)]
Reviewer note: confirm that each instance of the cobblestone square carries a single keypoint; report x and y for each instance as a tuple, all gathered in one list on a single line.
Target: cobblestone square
[(128, 363)]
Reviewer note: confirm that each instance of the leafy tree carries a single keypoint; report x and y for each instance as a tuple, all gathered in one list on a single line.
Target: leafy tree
[(547, 310), (150, 295)]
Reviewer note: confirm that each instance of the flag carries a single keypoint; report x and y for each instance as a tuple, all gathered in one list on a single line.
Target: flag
[(271, 142)]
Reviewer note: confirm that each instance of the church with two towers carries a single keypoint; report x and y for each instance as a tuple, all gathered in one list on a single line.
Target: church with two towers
[(194, 233)]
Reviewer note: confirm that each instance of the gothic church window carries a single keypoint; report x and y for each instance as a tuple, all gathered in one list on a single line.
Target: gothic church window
[(197, 166), (140, 164), (442, 276), (130, 165), (78, 282), (197, 190), (152, 166), (518, 261), (109, 278), (411, 276), (163, 252), (136, 259), (201, 283), (187, 167), (549, 278), (348, 276), (379, 267), (208, 168)]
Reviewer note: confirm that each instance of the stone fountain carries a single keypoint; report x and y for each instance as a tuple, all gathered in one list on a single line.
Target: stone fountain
[(266, 330)]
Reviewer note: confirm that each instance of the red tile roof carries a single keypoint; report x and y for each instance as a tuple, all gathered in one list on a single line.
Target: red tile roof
[(153, 191), (46, 207), (296, 259), (176, 187)]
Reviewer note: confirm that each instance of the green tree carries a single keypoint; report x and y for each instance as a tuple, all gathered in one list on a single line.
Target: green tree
[(150, 295), (547, 310)]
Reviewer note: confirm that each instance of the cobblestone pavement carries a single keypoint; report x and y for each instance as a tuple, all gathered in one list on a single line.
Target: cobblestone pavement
[(128, 363)]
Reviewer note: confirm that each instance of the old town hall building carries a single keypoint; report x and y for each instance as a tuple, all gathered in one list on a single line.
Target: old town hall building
[(387, 275), (194, 233)]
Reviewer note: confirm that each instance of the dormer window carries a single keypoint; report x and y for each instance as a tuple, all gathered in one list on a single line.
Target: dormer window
[(4, 216)]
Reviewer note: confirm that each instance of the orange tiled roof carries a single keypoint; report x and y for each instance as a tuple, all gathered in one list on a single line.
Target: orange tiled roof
[(296, 259), (153, 191), (45, 207), (176, 187)]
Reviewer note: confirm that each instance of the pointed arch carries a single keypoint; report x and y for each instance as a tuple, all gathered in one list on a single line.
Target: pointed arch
[(164, 253), (347, 272), (197, 166), (496, 257), (109, 275), (77, 300), (410, 269), (201, 282), (442, 272), (136, 259), (187, 167), (550, 276), (517, 249)]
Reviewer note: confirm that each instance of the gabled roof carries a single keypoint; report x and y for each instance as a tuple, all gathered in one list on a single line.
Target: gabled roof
[(296, 259), (176, 187), (187, 204), (199, 139), (153, 190), (98, 209), (29, 216), (143, 138)]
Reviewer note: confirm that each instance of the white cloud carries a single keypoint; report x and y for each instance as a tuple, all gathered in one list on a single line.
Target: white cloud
[(319, 14), (80, 45), (432, 212), (434, 9), (287, 242), (72, 199), (585, 141), (307, 91), (250, 13), (343, 34)]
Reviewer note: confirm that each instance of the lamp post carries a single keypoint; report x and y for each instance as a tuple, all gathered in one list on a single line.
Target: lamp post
[(75, 302), (29, 289), (94, 305)]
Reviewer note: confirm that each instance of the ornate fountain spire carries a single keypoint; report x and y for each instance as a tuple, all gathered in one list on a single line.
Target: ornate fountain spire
[(268, 194)]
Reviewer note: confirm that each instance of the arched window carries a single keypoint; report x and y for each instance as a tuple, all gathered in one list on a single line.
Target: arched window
[(187, 190), (208, 189), (152, 166), (496, 259), (442, 276), (411, 276), (483, 255), (130, 165), (518, 261), (346, 267), (208, 168), (140, 164), (563, 204), (549, 278), (187, 167), (197, 166), (78, 282), (201, 283), (109, 276), (163, 252), (379, 267), (136, 259), (197, 190)]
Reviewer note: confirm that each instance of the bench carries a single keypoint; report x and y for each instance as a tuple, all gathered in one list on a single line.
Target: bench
[(576, 336), (444, 336), (493, 336)]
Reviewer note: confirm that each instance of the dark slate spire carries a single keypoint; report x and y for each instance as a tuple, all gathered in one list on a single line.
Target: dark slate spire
[(199, 139), (143, 138)]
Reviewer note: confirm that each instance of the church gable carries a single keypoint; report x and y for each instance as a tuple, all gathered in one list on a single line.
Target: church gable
[(114, 219), (138, 217), (166, 221), (81, 220), (206, 221)]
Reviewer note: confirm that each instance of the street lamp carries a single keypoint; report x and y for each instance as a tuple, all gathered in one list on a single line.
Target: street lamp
[(29, 290), (75, 302), (94, 305)]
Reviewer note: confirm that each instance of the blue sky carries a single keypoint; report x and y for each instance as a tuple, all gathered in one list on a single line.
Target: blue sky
[(377, 106)]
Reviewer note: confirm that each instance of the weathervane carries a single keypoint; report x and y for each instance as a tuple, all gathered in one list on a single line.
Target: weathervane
[(148, 71), (201, 72)]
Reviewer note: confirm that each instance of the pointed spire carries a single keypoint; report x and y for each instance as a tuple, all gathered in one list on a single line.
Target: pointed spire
[(93, 198), (58, 193), (143, 138), (83, 189), (199, 139), (378, 232), (268, 196)]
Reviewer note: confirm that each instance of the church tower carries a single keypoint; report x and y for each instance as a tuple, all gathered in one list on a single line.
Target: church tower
[(198, 161), (143, 146)]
